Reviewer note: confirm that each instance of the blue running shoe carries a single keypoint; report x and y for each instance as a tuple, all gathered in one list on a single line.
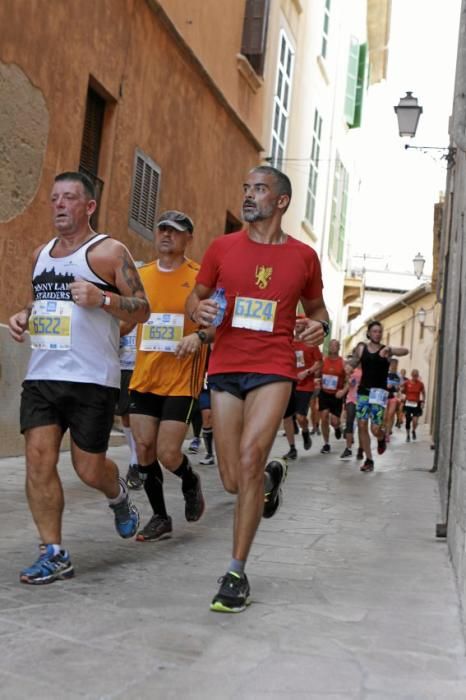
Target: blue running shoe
[(126, 515), (49, 567), (194, 446)]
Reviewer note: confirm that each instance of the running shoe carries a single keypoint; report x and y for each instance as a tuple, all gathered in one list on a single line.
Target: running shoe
[(233, 595), (381, 446), (157, 528), (408, 439), (398, 424), (208, 459), (360, 453), (307, 442), (126, 515), (325, 449), (314, 431), (49, 567), (414, 434), (346, 453), (368, 466), (277, 470), (194, 446), (292, 453), (133, 478), (194, 501), (338, 433)]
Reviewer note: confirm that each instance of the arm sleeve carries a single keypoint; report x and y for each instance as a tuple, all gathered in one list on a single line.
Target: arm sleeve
[(208, 274), (314, 285)]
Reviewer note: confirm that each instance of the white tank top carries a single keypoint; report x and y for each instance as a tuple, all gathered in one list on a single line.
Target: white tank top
[(93, 355)]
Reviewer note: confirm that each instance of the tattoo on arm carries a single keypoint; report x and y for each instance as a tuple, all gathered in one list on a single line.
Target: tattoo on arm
[(130, 274), (132, 304)]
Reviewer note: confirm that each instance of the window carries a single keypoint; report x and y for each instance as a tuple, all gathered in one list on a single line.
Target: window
[(255, 33), (314, 168), (355, 83), (282, 101), (325, 30), (144, 195), (336, 245), (91, 142)]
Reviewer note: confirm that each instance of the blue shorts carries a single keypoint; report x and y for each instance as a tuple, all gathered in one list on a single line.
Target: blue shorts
[(369, 411), (204, 400), (241, 383)]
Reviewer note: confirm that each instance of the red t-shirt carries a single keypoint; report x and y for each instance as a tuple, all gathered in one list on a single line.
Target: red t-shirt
[(333, 374), (413, 389), (306, 356), (263, 284)]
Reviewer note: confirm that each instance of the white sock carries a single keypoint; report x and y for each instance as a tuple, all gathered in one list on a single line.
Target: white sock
[(121, 496), (132, 445)]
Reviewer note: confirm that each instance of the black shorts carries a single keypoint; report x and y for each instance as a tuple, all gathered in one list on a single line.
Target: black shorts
[(177, 408), (86, 409), (329, 402), (239, 384), (298, 404), (414, 411), (122, 407)]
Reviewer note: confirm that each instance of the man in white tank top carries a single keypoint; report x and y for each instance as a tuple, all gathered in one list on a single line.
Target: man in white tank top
[(83, 284)]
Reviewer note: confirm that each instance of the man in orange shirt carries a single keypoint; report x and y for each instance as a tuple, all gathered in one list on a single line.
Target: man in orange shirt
[(167, 375), (334, 385), (413, 389)]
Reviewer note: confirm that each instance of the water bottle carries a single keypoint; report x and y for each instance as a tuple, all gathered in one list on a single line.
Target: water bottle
[(219, 297)]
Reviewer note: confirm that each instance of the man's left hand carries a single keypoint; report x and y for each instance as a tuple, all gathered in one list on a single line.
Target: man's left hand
[(309, 331), (85, 293), (188, 345)]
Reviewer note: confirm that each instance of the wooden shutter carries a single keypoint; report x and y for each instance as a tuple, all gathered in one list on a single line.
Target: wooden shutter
[(92, 132), (144, 195), (255, 33), (351, 81), (361, 85)]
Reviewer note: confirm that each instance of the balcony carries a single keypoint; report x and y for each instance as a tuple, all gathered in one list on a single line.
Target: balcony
[(353, 291)]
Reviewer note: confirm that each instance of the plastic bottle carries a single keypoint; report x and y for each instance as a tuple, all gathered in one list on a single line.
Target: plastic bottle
[(219, 297)]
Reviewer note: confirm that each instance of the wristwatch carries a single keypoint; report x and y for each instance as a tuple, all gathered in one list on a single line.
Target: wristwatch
[(325, 326), (202, 336)]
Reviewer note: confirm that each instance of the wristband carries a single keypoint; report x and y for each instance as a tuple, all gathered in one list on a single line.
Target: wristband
[(105, 300)]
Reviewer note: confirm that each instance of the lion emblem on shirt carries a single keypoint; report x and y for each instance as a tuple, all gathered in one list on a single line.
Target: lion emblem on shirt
[(263, 276)]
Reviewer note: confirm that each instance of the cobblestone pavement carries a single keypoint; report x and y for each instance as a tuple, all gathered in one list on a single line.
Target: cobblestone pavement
[(353, 597)]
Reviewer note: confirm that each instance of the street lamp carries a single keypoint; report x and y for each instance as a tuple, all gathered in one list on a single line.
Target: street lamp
[(408, 112), (421, 317), (418, 263)]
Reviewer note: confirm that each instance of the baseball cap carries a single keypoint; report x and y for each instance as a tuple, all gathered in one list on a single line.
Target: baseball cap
[(176, 219)]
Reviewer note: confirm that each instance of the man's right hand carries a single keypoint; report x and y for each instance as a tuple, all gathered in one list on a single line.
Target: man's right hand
[(205, 312), (18, 324)]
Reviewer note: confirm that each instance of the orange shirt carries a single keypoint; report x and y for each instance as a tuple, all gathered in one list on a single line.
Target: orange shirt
[(333, 374), (159, 372), (413, 389)]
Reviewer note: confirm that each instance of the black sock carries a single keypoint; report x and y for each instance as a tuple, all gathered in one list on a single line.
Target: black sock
[(196, 420), (153, 486), (208, 438), (186, 474)]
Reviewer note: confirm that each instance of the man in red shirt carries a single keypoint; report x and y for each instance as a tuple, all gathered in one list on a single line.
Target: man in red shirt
[(264, 273), (334, 385), (308, 362), (413, 389)]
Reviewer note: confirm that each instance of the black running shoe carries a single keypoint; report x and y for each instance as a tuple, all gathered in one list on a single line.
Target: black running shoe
[(325, 449), (368, 466), (277, 470), (307, 442), (292, 453), (157, 528), (360, 453), (338, 433), (233, 595), (133, 478), (194, 502), (346, 454), (408, 439), (413, 434)]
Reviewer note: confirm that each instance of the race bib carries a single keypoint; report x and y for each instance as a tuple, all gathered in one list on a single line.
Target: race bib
[(329, 382), (299, 358), (411, 404), (255, 314), (128, 350), (378, 396), (50, 325), (162, 332)]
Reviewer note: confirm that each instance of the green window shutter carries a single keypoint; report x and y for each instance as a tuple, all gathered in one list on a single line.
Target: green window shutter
[(351, 81), (361, 85)]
